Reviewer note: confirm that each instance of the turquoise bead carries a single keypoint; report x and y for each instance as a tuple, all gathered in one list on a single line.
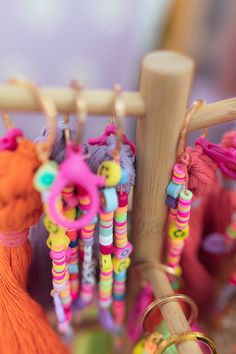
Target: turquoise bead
[(120, 276), (111, 200), (124, 176), (173, 189), (106, 232), (73, 268)]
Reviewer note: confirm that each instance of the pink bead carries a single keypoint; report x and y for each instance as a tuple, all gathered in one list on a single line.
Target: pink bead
[(106, 249), (124, 252), (123, 199)]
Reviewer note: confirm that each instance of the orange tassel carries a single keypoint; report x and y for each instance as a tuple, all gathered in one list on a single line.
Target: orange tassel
[(24, 328)]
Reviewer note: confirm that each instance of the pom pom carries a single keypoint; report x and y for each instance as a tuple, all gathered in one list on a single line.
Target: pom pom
[(20, 203), (201, 169)]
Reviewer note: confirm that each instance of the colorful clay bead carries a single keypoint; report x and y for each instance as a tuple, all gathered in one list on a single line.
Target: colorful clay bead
[(45, 176), (58, 242), (176, 234), (105, 262), (106, 249), (111, 170), (173, 189), (171, 202), (52, 227), (109, 199), (124, 252), (173, 214), (174, 253), (105, 240), (179, 174), (120, 264), (183, 209)]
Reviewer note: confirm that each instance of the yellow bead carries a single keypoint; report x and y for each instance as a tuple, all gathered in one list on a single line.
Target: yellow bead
[(52, 227), (111, 171), (139, 347), (106, 262), (120, 264), (176, 234), (56, 242), (70, 214), (59, 268)]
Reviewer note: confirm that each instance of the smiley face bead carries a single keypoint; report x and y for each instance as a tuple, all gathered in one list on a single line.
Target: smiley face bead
[(105, 262), (52, 227), (111, 170), (120, 264), (177, 234), (124, 252)]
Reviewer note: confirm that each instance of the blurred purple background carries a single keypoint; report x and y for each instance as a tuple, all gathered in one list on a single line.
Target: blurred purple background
[(98, 42), (103, 42)]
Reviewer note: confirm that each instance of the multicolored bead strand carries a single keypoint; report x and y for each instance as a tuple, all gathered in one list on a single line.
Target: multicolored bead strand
[(70, 200), (88, 266), (106, 266), (58, 243), (121, 260), (176, 184), (178, 231), (183, 209)]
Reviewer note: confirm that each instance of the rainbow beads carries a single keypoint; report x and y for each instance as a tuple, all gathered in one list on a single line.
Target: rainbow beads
[(121, 260), (59, 254), (183, 209), (179, 201), (88, 267), (106, 266), (176, 184), (179, 174)]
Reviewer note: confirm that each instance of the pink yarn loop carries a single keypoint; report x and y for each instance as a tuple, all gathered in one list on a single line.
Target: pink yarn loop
[(14, 238)]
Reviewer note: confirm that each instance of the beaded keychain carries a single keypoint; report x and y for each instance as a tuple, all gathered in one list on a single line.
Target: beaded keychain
[(54, 183), (113, 216), (179, 200), (22, 309)]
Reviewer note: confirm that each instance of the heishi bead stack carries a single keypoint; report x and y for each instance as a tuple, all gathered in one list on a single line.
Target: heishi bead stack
[(175, 186), (183, 209), (179, 201), (121, 260), (179, 229), (106, 266), (58, 243), (73, 261), (88, 265)]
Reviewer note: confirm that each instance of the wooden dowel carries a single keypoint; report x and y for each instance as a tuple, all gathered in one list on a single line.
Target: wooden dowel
[(172, 312), (165, 84), (214, 113), (99, 102)]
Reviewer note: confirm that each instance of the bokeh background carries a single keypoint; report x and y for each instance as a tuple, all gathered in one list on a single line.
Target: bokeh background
[(103, 42)]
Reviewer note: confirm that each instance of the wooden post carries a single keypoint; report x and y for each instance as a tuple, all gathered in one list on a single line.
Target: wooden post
[(165, 84)]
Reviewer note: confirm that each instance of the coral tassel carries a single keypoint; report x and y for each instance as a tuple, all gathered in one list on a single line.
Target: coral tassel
[(24, 327)]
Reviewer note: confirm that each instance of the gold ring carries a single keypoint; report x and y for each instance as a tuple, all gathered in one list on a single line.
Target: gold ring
[(185, 336), (165, 268), (165, 300)]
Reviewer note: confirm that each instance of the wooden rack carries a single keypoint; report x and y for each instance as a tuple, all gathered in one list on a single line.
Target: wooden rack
[(160, 106)]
